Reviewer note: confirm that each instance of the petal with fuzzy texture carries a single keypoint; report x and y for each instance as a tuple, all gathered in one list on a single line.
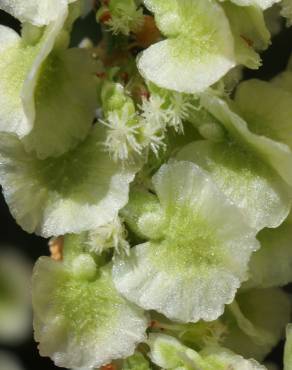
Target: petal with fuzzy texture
[(277, 154), (199, 48), (79, 191), (82, 321), (253, 186), (194, 266)]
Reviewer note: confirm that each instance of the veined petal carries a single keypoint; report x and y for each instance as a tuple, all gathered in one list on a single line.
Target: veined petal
[(277, 154), (194, 266), (256, 321), (199, 49), (79, 191), (80, 320), (253, 186)]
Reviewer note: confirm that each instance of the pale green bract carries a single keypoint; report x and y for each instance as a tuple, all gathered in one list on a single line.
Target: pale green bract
[(19, 65), (256, 321), (249, 31), (169, 353), (288, 348), (254, 187), (271, 265), (198, 50), (38, 83), (254, 98), (136, 362), (81, 190), (80, 319), (277, 154), (65, 103), (195, 259)]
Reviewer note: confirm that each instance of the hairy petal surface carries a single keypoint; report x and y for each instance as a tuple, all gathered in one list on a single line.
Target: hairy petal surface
[(253, 186), (79, 191), (195, 260), (198, 50), (80, 320), (277, 154)]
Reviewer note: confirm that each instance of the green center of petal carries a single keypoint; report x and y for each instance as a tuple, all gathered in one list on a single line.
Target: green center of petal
[(68, 173), (86, 305), (189, 243)]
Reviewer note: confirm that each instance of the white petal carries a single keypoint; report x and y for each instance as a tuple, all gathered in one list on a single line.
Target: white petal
[(278, 154), (251, 184), (82, 323), (196, 267), (79, 191), (37, 12), (19, 67), (199, 50)]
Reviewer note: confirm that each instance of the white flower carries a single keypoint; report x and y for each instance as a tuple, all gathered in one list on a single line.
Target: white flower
[(152, 111), (110, 235), (179, 111), (123, 129)]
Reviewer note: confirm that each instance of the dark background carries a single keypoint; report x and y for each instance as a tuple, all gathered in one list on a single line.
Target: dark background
[(274, 61)]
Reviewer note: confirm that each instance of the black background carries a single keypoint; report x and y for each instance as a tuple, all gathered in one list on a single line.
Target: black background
[(274, 61)]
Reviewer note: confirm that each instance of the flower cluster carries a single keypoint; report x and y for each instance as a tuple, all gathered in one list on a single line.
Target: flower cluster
[(163, 180)]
